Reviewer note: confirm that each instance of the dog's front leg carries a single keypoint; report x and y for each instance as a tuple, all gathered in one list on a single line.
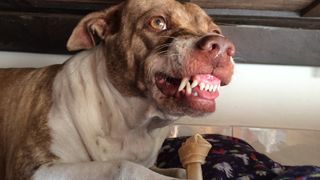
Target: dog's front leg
[(172, 172), (118, 170)]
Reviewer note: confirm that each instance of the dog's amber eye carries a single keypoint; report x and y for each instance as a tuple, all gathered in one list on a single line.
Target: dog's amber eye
[(158, 23)]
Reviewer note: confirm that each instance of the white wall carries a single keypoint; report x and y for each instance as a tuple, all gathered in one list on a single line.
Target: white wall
[(14, 59), (259, 96), (270, 96)]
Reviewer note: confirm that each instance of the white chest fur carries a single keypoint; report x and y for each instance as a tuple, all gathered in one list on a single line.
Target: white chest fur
[(91, 120)]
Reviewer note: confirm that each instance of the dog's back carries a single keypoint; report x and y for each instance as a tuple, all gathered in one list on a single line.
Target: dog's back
[(24, 97)]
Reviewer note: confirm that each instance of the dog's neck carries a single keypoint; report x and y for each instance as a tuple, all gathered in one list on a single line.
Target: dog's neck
[(97, 114)]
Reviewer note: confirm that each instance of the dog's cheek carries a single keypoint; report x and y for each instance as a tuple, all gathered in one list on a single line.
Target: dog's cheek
[(140, 53), (168, 104), (141, 86), (139, 48)]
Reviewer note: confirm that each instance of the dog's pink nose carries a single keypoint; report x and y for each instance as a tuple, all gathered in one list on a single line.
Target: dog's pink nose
[(216, 45)]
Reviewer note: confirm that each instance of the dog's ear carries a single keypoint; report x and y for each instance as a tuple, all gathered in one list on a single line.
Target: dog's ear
[(94, 27)]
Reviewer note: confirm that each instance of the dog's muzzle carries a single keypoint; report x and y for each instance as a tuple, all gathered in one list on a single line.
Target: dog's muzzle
[(208, 66)]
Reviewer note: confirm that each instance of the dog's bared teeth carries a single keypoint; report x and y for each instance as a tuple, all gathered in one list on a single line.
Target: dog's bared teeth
[(189, 89), (211, 88), (202, 86), (207, 87), (194, 83), (215, 88), (183, 83)]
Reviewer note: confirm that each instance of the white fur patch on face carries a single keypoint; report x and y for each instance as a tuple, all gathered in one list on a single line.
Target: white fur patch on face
[(172, 60)]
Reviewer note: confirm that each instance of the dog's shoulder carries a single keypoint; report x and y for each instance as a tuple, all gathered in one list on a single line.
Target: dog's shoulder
[(26, 75), (25, 98)]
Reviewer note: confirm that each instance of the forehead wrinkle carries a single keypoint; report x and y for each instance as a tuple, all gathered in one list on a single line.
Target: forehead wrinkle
[(200, 18), (134, 9), (145, 5), (158, 10), (191, 17)]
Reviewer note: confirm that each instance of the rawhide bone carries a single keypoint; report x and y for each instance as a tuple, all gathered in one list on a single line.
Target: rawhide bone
[(192, 155)]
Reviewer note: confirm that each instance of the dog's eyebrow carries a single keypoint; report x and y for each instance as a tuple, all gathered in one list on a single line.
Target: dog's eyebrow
[(155, 10), (185, 32)]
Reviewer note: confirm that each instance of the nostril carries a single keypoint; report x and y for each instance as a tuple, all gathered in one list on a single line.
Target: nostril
[(215, 46), (208, 43), (230, 51)]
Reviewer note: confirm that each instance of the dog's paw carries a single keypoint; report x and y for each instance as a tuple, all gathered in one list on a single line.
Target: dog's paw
[(171, 172), (178, 173)]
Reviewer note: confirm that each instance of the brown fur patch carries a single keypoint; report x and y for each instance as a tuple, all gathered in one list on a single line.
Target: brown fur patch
[(25, 100)]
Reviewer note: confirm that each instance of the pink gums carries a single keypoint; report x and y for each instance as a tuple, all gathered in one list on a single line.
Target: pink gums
[(206, 79)]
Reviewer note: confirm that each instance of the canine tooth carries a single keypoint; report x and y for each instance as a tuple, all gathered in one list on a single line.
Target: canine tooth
[(183, 83), (202, 86), (194, 83), (215, 88), (207, 87), (189, 90), (195, 94)]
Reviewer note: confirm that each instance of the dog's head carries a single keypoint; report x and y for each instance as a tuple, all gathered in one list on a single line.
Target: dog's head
[(165, 50)]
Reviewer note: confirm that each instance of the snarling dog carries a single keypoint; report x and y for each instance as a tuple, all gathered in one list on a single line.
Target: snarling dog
[(105, 112)]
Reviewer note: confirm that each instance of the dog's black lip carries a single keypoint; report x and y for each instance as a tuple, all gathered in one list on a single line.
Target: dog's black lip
[(167, 84), (168, 78)]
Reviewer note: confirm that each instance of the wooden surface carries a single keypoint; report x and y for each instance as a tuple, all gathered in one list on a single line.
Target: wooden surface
[(78, 6), (45, 25), (313, 10), (268, 45), (66, 6), (263, 18), (281, 5), (35, 32)]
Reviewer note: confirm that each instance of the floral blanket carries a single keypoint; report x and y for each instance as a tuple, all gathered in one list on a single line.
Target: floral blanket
[(232, 158)]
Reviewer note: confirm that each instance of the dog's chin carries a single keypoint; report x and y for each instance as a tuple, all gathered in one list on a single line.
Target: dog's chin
[(199, 106), (190, 106)]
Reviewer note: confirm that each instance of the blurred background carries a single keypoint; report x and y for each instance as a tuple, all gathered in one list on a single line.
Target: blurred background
[(273, 101)]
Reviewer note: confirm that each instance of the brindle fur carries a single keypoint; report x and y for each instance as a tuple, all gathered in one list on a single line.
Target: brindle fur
[(25, 100)]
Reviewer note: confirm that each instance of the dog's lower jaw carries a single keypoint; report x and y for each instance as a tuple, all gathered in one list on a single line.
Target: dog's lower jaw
[(90, 117)]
